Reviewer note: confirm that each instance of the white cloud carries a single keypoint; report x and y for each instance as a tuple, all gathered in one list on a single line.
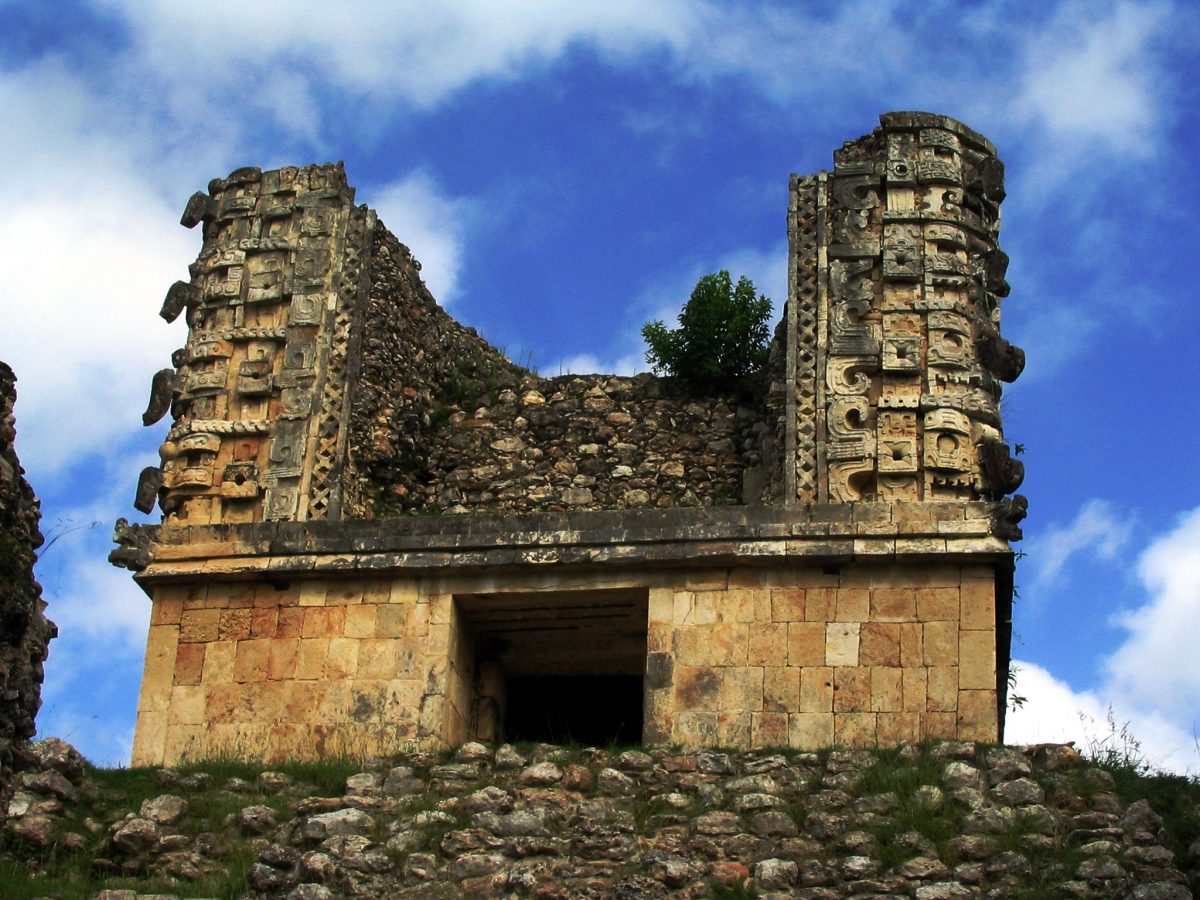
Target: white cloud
[(91, 249), (1096, 721), (1151, 682), (1096, 531), (1090, 77), (1156, 667), (431, 224)]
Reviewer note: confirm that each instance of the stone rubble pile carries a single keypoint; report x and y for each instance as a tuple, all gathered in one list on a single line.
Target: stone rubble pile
[(559, 823)]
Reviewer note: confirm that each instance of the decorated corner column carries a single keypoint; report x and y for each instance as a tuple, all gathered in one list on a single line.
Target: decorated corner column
[(258, 395), (895, 353)]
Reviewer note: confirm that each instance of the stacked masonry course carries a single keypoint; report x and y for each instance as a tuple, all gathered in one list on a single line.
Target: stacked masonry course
[(375, 525)]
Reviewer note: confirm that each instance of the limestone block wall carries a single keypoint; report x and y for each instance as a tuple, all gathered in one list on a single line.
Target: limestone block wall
[(868, 656), (783, 655)]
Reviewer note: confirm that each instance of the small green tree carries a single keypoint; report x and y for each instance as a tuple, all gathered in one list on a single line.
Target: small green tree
[(722, 334)]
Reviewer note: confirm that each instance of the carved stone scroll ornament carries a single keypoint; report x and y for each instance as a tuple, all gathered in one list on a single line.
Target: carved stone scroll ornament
[(135, 545), (149, 483), (162, 388), (200, 208), (1002, 473), (180, 296), (1007, 515)]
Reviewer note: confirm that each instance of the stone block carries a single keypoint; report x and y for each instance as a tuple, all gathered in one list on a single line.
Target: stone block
[(223, 703), (187, 705), (219, 658), (661, 606), (158, 675), (816, 689), (150, 738), (696, 607), (402, 591), (942, 688), (312, 593), (264, 622), (820, 604), (895, 728), (291, 622), (690, 645), (781, 689), (810, 731), (734, 729), (978, 603), (189, 663), (940, 726), (360, 621), (937, 603), (879, 644), (185, 743), (273, 595), (806, 644), (418, 620), (236, 596), (769, 729), (310, 663), (851, 689), (915, 680), (234, 624), (198, 625), (344, 593), (282, 658), (697, 688), (739, 605), (976, 660), (787, 604), (695, 729), (742, 688), (853, 604), (392, 621), (302, 699), (912, 644), (659, 637), (887, 693), (441, 609), (854, 729), (324, 622), (841, 643), (728, 644), (977, 716), (941, 643), (893, 604), (768, 644), (166, 611), (377, 658), (250, 661), (706, 580)]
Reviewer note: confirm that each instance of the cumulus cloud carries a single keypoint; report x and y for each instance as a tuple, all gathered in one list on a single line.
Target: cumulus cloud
[(1096, 530), (1156, 666), (97, 248), (432, 224), (1151, 682), (1096, 721), (1085, 77)]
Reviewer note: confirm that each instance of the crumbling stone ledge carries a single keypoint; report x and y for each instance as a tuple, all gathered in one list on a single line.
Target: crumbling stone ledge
[(710, 536)]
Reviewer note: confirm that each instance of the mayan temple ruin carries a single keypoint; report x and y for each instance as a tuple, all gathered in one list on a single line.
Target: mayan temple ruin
[(379, 533)]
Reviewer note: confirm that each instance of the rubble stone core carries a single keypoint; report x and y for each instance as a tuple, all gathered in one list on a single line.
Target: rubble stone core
[(374, 521)]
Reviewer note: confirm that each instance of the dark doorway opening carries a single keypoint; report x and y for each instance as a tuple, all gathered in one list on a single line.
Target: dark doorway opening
[(582, 709), (558, 666)]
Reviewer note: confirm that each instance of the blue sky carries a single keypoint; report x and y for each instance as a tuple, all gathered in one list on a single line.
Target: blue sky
[(566, 172)]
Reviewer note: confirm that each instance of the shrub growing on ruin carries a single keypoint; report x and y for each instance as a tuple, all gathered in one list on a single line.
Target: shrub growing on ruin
[(721, 338)]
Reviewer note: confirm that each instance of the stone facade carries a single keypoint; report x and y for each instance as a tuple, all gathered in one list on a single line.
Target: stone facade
[(377, 529), (25, 632)]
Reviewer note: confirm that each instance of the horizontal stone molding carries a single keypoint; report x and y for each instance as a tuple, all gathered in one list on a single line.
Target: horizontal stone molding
[(670, 537)]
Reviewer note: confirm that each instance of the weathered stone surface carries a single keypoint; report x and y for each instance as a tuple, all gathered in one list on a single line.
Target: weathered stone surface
[(25, 632)]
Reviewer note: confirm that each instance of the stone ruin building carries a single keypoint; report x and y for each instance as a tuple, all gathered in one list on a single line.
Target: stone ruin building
[(25, 632), (378, 532)]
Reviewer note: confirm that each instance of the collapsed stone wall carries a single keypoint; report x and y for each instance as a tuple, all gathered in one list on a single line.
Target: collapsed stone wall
[(441, 421), (25, 631)]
